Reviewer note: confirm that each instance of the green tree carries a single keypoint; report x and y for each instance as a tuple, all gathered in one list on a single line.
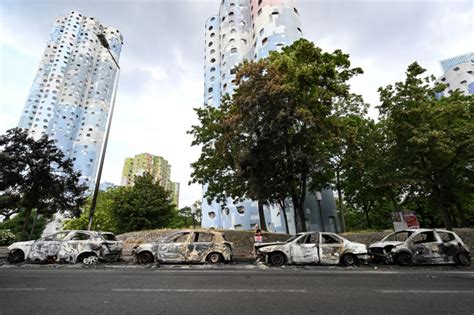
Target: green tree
[(104, 219), (431, 142), (16, 224), (36, 175), (273, 136), (144, 206)]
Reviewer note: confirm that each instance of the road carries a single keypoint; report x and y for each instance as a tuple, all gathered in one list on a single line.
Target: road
[(194, 291)]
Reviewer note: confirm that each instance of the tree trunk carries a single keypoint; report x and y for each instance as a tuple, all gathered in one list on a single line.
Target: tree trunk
[(35, 218), (300, 220), (261, 215), (341, 208), (283, 209), (460, 211), (25, 224), (444, 211)]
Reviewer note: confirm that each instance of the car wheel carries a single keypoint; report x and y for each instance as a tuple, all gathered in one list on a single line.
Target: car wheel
[(463, 259), (89, 259), (145, 258), (214, 258), (16, 256), (404, 259), (348, 260), (277, 259)]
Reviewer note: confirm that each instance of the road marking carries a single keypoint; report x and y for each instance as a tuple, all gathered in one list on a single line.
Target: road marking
[(22, 289), (213, 290), (426, 291)]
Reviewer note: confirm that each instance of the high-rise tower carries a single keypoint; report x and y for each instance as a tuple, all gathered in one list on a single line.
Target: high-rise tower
[(72, 90), (458, 74), (156, 166), (249, 30)]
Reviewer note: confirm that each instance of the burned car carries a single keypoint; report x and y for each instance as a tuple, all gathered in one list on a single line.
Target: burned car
[(187, 246), (74, 246), (312, 248), (421, 246)]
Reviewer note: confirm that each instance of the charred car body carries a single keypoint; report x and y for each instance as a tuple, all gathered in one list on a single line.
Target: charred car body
[(69, 247), (187, 246), (312, 248), (421, 246)]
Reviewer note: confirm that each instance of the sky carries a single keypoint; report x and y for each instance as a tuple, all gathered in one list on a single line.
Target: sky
[(162, 57)]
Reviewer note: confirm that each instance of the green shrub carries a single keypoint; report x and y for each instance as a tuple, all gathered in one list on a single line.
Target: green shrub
[(6, 237)]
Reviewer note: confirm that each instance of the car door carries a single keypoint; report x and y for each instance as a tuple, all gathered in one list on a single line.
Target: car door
[(112, 244), (426, 248), (200, 246), (174, 250), (305, 249), (48, 247), (75, 244), (331, 247)]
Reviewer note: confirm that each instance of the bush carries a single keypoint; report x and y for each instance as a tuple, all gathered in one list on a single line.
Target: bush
[(6, 237)]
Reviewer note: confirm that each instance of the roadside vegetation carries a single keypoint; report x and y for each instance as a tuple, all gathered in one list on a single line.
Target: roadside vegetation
[(293, 123)]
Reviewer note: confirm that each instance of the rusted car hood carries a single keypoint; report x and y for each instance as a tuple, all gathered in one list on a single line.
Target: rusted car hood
[(260, 245)]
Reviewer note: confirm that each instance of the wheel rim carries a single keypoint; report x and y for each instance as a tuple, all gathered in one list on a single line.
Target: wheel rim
[(91, 260), (145, 258), (16, 256), (349, 260), (277, 259), (463, 259), (405, 260), (214, 258)]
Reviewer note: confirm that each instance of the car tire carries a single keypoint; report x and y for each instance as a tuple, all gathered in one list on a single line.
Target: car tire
[(16, 256), (349, 260), (88, 259), (145, 258), (404, 259), (277, 259), (214, 258), (463, 259)]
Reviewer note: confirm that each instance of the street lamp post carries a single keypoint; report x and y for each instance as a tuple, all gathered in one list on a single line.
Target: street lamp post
[(319, 197), (103, 41)]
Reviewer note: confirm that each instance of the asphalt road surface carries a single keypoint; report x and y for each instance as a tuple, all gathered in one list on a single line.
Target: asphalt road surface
[(158, 291)]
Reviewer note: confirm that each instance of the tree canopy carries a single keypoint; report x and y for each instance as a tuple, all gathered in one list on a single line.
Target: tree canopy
[(274, 135), (144, 206), (36, 175)]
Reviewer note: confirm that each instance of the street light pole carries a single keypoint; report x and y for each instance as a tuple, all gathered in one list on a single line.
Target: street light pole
[(319, 197), (103, 41)]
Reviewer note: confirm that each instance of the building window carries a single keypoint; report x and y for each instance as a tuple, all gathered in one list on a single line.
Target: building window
[(233, 50), (261, 31), (264, 41), (296, 11)]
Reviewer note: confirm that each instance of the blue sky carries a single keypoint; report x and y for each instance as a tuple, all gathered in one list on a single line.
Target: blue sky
[(162, 60)]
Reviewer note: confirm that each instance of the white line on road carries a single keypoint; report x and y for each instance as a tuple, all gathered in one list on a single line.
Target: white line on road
[(22, 289), (426, 291), (213, 290)]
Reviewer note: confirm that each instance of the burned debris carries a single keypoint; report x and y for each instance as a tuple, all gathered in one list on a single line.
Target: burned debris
[(421, 246), (186, 246), (75, 246)]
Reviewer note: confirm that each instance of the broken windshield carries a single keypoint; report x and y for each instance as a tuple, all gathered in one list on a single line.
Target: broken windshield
[(401, 236)]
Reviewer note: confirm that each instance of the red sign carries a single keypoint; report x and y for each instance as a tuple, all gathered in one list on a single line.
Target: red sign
[(411, 220)]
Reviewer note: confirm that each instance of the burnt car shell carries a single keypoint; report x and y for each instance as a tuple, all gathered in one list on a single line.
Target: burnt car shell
[(313, 248), (421, 246), (186, 246), (68, 247)]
